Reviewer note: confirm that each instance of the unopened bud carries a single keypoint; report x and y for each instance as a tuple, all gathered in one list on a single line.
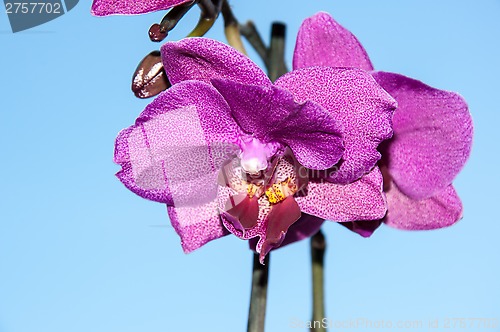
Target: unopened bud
[(150, 78), (157, 33)]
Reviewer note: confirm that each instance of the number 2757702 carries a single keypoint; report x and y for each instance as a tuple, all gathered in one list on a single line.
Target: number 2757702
[(32, 8)]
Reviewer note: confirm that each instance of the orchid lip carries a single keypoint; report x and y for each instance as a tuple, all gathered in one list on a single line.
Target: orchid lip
[(265, 201)]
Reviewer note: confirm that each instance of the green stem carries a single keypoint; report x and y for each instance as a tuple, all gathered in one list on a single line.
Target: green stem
[(258, 298), (209, 13), (318, 247), (231, 28)]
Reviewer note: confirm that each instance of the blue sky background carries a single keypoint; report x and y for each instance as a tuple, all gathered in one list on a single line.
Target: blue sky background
[(80, 253)]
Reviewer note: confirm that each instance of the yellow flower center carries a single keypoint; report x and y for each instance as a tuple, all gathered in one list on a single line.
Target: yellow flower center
[(279, 191), (252, 190)]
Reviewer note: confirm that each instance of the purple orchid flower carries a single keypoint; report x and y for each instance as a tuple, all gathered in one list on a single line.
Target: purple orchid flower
[(131, 7), (432, 133), (229, 151)]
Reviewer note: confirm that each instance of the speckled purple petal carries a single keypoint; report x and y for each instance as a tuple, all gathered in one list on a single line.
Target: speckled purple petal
[(323, 42), (196, 225), (360, 200), (365, 228), (355, 100), (302, 229), (271, 114), (130, 7), (205, 59), (174, 151), (432, 136), (441, 210)]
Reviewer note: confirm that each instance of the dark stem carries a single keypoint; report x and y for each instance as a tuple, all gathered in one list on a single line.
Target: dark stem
[(173, 17), (227, 13), (209, 8), (249, 31), (258, 299), (277, 65), (158, 32), (318, 247)]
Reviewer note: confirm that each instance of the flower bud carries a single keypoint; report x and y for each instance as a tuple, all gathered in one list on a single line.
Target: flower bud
[(150, 78), (157, 33)]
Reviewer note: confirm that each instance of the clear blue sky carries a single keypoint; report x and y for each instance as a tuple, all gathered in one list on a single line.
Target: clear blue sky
[(80, 253)]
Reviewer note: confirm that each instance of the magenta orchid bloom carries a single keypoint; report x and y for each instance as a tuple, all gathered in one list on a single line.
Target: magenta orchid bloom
[(229, 151), (131, 7), (432, 133)]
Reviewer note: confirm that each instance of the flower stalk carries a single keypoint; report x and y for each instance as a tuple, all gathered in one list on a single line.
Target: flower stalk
[(209, 13), (318, 247), (258, 297), (277, 65), (249, 31), (231, 28), (272, 56)]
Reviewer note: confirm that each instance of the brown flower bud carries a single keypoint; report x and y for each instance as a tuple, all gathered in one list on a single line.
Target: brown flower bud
[(157, 33), (150, 78)]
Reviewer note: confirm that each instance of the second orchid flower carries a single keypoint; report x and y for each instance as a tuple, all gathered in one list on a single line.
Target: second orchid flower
[(432, 133)]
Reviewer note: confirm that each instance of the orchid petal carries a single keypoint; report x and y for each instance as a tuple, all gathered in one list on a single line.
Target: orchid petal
[(303, 228), (353, 98), (205, 59), (432, 136), (243, 209), (321, 41), (174, 151), (271, 114), (365, 228), (441, 210), (130, 7), (360, 200), (234, 225), (196, 225)]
